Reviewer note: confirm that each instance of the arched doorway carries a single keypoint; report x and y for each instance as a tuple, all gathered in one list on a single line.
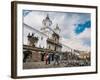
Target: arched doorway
[(27, 55)]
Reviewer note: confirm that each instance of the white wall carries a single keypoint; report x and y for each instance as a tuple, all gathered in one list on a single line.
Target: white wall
[(40, 43), (5, 41)]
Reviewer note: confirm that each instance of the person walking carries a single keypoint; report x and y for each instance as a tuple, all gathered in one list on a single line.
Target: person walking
[(56, 59), (46, 58), (49, 58)]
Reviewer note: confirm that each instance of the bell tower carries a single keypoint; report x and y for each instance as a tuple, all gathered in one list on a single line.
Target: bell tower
[(57, 29), (47, 22), (46, 25)]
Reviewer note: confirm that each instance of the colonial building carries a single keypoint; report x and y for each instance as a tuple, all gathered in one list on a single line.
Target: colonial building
[(84, 55), (47, 39), (52, 33), (37, 42)]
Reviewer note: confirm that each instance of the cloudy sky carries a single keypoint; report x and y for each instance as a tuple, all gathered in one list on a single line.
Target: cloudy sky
[(75, 27)]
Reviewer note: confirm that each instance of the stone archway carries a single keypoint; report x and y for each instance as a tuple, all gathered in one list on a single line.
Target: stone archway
[(27, 55)]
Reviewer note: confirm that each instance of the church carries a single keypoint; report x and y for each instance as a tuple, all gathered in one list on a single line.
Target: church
[(37, 42), (47, 40)]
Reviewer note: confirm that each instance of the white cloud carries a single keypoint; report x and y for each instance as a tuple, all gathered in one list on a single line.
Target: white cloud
[(75, 44), (85, 34), (34, 19)]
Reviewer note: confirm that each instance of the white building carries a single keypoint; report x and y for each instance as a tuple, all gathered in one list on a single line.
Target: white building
[(48, 37)]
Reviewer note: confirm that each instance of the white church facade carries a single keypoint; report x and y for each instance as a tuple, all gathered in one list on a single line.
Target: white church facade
[(36, 42), (48, 38)]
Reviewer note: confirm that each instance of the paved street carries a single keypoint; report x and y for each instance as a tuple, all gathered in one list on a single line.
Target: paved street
[(34, 65)]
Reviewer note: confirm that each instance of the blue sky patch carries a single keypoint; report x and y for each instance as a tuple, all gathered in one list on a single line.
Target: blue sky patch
[(26, 12), (81, 27)]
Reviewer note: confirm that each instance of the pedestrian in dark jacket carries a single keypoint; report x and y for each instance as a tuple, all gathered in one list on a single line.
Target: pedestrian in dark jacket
[(56, 59)]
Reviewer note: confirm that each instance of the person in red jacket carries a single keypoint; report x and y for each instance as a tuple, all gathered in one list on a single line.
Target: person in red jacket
[(46, 56)]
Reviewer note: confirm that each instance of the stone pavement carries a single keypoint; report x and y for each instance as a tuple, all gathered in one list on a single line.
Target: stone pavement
[(34, 65), (64, 63)]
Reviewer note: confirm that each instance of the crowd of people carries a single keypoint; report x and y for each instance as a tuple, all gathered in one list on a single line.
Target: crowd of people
[(55, 58)]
